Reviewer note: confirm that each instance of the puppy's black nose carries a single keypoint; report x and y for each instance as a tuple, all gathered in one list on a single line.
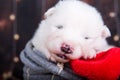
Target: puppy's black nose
[(66, 48)]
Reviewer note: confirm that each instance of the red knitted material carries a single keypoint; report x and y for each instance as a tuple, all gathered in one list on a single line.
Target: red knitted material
[(106, 66)]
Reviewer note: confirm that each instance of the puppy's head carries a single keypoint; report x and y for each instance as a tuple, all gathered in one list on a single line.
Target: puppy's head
[(68, 30)]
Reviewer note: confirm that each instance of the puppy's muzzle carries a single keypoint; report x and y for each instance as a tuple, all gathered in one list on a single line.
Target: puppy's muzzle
[(67, 49)]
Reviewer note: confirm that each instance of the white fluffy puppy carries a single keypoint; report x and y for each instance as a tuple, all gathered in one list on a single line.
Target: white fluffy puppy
[(70, 30)]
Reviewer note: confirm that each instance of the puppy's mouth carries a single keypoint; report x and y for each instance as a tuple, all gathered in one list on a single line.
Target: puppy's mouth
[(62, 56)]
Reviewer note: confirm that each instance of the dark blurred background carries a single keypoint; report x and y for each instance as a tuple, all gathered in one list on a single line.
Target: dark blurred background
[(19, 19)]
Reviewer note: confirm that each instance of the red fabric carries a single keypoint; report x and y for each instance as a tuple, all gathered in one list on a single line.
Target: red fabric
[(106, 66)]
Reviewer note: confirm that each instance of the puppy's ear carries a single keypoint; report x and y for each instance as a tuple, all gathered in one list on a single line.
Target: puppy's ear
[(105, 32), (49, 12)]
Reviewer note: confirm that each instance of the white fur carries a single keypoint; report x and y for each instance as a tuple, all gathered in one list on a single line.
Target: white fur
[(79, 21)]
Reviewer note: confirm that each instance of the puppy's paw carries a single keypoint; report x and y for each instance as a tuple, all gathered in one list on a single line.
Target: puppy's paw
[(52, 58), (89, 54)]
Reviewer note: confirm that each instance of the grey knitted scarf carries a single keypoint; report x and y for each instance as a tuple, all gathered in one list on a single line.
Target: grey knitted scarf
[(38, 67)]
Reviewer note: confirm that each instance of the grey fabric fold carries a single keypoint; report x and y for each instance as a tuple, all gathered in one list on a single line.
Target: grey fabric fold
[(38, 67)]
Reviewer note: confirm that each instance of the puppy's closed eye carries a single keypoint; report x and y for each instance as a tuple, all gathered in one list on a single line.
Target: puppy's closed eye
[(59, 27), (86, 38)]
